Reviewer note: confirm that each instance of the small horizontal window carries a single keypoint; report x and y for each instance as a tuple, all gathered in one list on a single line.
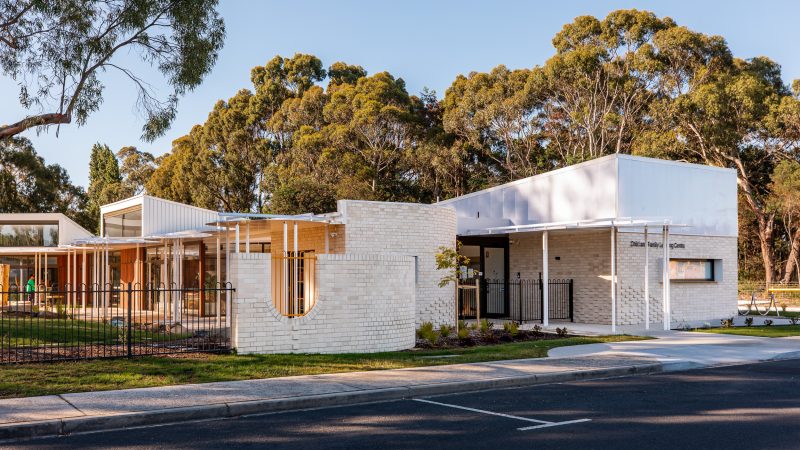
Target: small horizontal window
[(691, 269)]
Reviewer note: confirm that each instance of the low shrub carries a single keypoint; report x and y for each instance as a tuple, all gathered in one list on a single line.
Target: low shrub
[(426, 332), (463, 333), (794, 320), (561, 332), (511, 328), (444, 331), (768, 323), (748, 321), (726, 323), (486, 327), (537, 330)]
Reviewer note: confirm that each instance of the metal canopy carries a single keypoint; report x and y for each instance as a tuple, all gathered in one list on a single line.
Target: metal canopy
[(94, 241), (231, 220), (611, 222)]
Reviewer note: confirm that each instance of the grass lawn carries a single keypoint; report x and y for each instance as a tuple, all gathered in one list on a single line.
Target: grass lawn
[(22, 331), (760, 331), (783, 314), (103, 374)]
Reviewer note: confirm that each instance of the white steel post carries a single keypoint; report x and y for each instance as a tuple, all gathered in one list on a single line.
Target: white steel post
[(613, 279), (69, 279), (106, 280), (545, 280), (646, 281), (667, 299), (665, 278), (83, 281), (228, 311), (94, 278), (327, 240), (237, 238), (285, 284), (219, 282), (295, 266)]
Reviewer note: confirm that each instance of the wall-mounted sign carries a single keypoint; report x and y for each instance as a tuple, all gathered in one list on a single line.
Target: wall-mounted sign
[(657, 244)]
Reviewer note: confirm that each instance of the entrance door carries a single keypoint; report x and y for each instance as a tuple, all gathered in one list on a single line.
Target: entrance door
[(493, 266), (494, 277)]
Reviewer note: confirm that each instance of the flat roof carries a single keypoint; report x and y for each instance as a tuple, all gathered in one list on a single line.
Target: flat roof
[(580, 166)]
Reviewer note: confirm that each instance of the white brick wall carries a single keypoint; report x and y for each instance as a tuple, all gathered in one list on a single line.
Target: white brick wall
[(691, 302), (406, 229), (365, 304), (585, 256)]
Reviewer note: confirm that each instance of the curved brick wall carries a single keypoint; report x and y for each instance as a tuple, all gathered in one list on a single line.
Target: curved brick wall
[(365, 304)]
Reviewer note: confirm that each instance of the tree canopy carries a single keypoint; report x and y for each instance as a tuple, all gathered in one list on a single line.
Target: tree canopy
[(57, 50), (27, 184)]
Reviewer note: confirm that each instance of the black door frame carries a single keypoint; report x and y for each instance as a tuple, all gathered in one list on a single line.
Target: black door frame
[(491, 242)]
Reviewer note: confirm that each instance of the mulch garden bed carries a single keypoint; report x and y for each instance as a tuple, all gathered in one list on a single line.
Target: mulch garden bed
[(484, 337)]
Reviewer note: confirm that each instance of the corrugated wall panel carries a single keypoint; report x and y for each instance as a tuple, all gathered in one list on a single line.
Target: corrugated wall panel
[(163, 216)]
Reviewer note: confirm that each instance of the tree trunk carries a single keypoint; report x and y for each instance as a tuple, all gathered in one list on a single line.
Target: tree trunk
[(7, 131), (792, 260), (766, 229)]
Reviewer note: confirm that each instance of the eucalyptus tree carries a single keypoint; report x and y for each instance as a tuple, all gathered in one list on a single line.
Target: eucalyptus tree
[(497, 113), (57, 51), (28, 184), (136, 167), (373, 121)]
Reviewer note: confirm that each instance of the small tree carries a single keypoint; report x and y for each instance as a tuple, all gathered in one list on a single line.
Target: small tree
[(451, 260)]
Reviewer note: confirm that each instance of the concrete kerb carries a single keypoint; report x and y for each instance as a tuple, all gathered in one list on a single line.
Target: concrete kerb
[(87, 424)]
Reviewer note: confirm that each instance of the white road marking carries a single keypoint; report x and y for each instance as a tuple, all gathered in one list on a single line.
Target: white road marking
[(554, 424), (541, 423), (508, 416)]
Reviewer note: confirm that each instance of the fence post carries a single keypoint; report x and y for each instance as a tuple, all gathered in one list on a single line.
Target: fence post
[(571, 311), (128, 321), (478, 300), (541, 298), (520, 299)]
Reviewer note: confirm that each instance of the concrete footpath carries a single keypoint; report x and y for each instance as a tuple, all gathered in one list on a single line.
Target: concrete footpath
[(105, 410)]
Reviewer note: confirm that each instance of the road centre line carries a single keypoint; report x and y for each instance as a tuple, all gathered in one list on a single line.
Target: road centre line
[(541, 423)]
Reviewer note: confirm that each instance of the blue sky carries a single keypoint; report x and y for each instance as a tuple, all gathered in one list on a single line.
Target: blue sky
[(427, 43)]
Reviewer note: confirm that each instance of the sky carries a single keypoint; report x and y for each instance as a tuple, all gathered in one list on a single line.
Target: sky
[(425, 42)]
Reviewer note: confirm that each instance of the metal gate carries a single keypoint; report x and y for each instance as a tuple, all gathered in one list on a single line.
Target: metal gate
[(46, 324), (520, 300)]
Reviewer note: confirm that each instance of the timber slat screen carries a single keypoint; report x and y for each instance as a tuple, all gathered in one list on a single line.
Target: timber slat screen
[(523, 302), (94, 322)]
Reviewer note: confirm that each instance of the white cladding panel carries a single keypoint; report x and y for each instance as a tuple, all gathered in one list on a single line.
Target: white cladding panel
[(580, 192), (68, 230), (703, 197), (161, 216)]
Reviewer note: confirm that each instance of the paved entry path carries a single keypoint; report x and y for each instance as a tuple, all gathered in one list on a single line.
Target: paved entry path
[(96, 411), (680, 350)]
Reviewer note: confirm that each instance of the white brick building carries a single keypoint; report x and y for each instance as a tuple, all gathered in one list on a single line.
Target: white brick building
[(363, 278), (582, 227)]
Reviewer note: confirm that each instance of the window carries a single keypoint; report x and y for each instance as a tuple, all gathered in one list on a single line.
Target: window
[(691, 269), (127, 223), (28, 234)]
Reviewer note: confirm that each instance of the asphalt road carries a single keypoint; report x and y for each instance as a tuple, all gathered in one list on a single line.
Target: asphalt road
[(752, 406)]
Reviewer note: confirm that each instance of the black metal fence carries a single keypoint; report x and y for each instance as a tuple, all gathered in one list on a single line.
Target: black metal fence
[(520, 300), (45, 324)]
